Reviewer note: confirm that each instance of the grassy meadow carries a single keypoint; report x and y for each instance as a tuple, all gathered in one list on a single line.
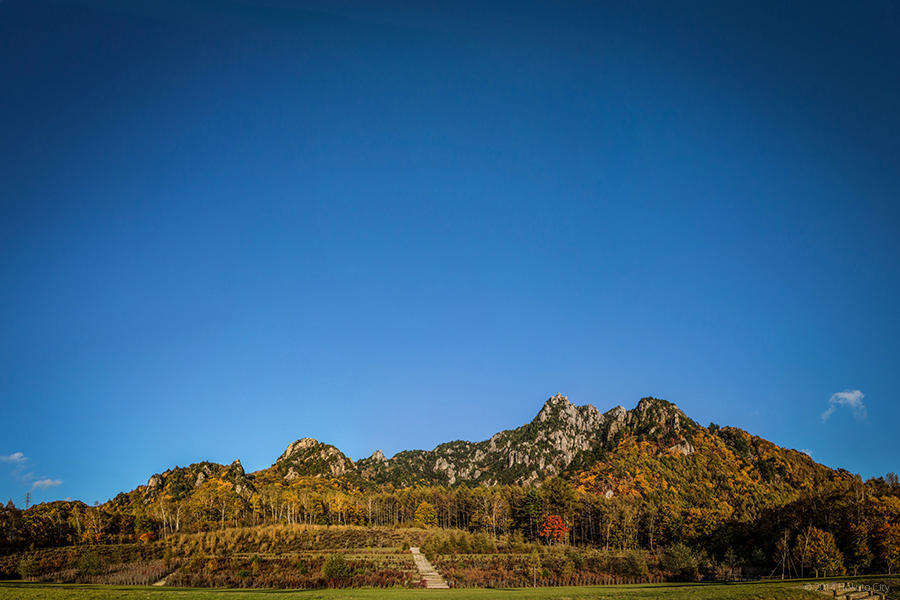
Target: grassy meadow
[(666, 591)]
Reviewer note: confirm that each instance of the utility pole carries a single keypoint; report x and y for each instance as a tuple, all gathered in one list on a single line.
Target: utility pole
[(27, 499)]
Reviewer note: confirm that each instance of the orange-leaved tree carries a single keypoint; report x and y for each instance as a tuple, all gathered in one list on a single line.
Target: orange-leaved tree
[(554, 529)]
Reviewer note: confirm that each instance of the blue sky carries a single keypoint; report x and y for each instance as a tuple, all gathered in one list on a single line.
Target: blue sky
[(228, 225)]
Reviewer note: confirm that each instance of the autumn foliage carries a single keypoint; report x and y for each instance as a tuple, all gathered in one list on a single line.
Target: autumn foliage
[(554, 529), (426, 515)]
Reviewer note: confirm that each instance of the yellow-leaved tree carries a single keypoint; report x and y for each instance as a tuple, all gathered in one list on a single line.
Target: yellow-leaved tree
[(823, 553), (426, 516)]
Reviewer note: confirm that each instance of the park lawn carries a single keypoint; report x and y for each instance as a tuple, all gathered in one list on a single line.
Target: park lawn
[(666, 591)]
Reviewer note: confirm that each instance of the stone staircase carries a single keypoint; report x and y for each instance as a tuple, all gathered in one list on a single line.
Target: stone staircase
[(845, 591), (430, 576)]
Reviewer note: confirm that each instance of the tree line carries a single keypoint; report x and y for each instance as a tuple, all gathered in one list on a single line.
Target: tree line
[(835, 526)]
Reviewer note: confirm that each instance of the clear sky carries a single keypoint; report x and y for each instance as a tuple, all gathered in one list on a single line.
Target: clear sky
[(229, 225)]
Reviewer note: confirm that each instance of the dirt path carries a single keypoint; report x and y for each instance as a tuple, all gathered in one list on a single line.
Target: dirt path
[(432, 578)]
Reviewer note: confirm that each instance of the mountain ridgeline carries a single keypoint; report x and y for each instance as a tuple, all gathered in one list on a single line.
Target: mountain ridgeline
[(562, 440), (560, 437)]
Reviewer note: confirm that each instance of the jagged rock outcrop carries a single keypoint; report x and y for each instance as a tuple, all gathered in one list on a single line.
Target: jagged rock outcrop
[(562, 436), (308, 456), (180, 481)]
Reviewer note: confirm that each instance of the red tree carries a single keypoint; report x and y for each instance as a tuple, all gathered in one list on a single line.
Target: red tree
[(554, 528)]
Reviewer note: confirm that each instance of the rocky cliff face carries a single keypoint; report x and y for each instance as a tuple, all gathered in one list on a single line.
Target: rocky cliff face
[(560, 437)]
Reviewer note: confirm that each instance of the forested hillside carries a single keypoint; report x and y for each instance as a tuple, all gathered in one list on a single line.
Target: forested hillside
[(647, 478)]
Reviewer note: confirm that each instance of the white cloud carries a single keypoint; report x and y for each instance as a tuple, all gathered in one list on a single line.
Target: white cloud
[(852, 399), (43, 484), (807, 452), (15, 458), (19, 462)]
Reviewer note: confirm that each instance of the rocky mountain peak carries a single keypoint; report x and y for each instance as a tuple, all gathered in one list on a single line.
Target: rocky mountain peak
[(557, 399), (555, 407), (295, 447), (558, 411), (654, 414), (378, 455), (310, 457)]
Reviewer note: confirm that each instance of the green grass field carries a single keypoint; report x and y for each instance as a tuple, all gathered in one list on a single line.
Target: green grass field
[(746, 591)]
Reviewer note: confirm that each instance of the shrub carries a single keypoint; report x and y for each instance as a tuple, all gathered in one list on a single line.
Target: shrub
[(517, 543), (575, 557), (635, 565), (28, 568), (679, 561), (335, 567), (89, 564)]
